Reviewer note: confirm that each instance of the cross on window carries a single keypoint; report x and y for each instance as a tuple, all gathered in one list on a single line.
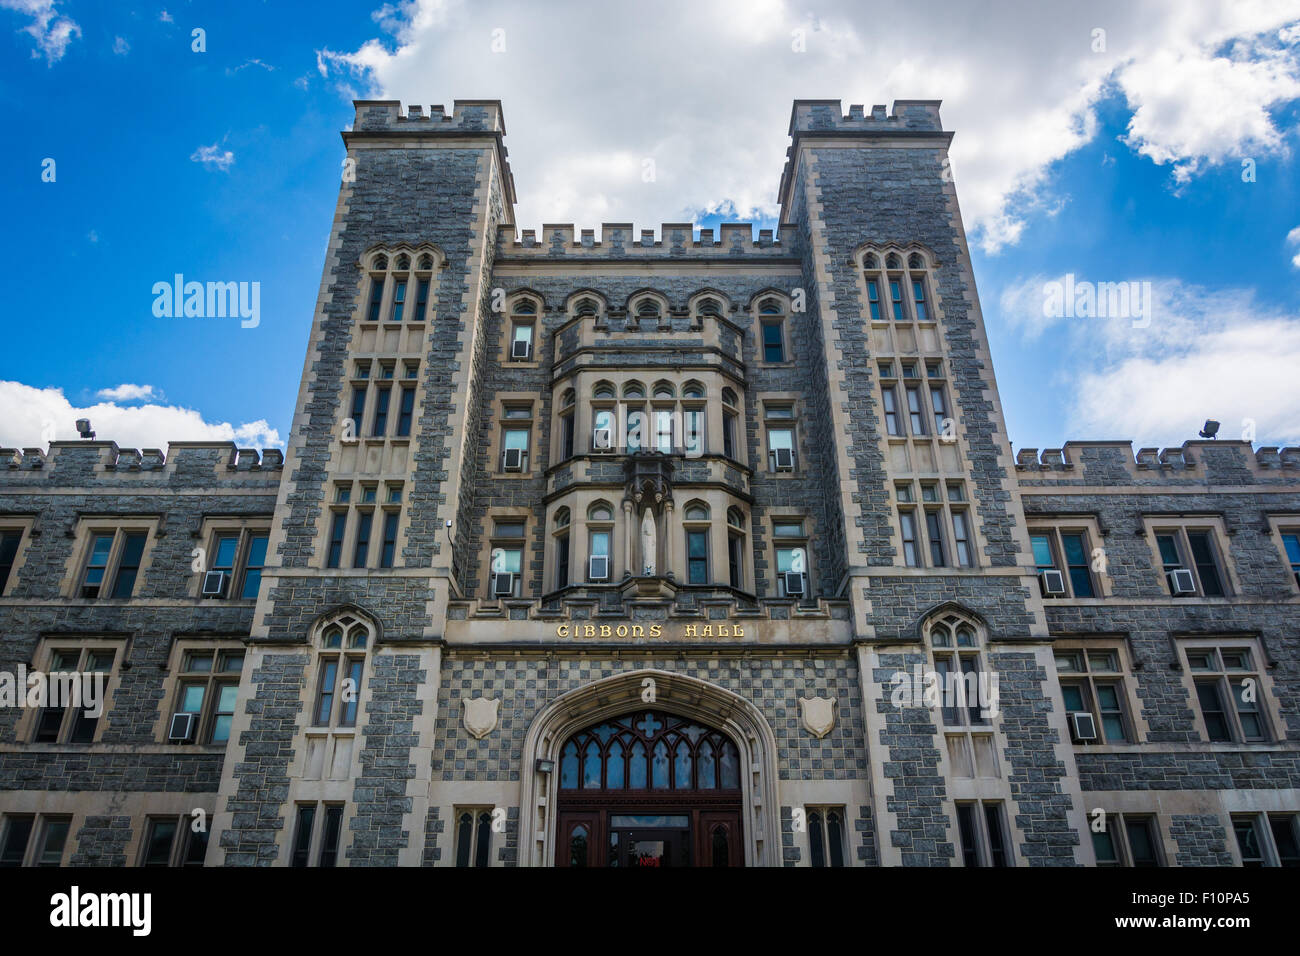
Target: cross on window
[(649, 726)]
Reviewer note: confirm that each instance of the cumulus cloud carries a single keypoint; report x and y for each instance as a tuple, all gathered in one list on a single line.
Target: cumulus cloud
[(128, 393), (51, 30), (213, 157), (35, 416), (1205, 353), (704, 90), (120, 46), (1293, 240)]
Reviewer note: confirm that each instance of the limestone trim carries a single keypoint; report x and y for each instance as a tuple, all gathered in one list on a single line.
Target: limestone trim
[(678, 694)]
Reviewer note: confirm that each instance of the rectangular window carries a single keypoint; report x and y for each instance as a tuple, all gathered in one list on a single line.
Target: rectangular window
[(208, 688), (734, 560), (473, 837), (159, 837), (376, 298), (302, 834), (914, 410), (1195, 551), (779, 439), (961, 539), (128, 565), (358, 409), (1229, 694), (399, 300), (361, 550), (918, 298), (940, 406), (101, 546), (873, 299), (1249, 842), (983, 835), (421, 300), (516, 440), (1290, 542), (330, 832), (566, 436), (562, 561), (694, 425), (825, 836), (1093, 683), (934, 532), (338, 524), (773, 344), (791, 560), (1073, 563), (521, 342), (54, 837), (1207, 568), (891, 411), (1142, 841), (389, 549), (729, 435), (380, 427), (896, 297), (8, 555), (18, 831), (697, 557), (405, 410), (907, 521), (254, 564), (70, 724)]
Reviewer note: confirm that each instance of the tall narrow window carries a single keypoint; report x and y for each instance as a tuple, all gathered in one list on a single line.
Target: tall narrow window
[(729, 436), (940, 406), (338, 524), (302, 834), (773, 344), (735, 561), (918, 298), (128, 566), (376, 298), (961, 539), (390, 539), (399, 300), (1207, 569), (421, 300), (907, 521), (1076, 561), (697, 556), (253, 566), (562, 561), (914, 410), (8, 554), (934, 531), (358, 408), (891, 410), (361, 549), (405, 409), (873, 298), (101, 546), (381, 412), (896, 297)]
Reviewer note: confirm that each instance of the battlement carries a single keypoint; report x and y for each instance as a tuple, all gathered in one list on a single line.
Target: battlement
[(477, 116), (817, 116), (620, 239), (67, 462), (1106, 462)]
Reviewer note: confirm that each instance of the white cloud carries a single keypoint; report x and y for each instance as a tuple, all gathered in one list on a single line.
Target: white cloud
[(705, 90), (247, 63), (1205, 354), (165, 17), (1293, 239), (128, 393), (213, 157), (51, 30), (120, 46), (34, 416)]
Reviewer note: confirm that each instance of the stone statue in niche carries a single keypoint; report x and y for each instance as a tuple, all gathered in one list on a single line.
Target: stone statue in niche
[(648, 543)]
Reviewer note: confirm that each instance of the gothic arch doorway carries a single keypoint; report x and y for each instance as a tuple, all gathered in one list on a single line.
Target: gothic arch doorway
[(649, 789), (709, 763)]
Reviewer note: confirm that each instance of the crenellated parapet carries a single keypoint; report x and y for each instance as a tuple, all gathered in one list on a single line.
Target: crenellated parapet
[(465, 116), (1115, 463), (817, 116), (71, 462), (622, 241)]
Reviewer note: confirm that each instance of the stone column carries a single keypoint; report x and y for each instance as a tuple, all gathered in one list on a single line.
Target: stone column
[(673, 542), (630, 534)]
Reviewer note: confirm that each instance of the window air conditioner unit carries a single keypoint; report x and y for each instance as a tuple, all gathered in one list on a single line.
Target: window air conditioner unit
[(182, 728), (602, 439), (793, 584), (214, 584), (503, 584), (1083, 724), (514, 459), (1181, 581), (1053, 582), (784, 459), (599, 570), (520, 348)]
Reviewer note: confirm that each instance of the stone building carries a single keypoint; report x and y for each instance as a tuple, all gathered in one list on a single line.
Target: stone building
[(657, 550)]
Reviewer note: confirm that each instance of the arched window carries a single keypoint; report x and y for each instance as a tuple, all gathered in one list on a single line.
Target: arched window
[(648, 308), (634, 390), (914, 261), (586, 307), (710, 306), (562, 518), (600, 511), (693, 390), (736, 547), (968, 696), (403, 263), (603, 390), (895, 294), (473, 838), (664, 390), (649, 750), (771, 326), (343, 643), (894, 261), (871, 261), (380, 264), (568, 398), (426, 262)]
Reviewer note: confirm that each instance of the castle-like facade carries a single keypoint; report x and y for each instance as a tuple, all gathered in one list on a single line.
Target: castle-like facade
[(696, 548)]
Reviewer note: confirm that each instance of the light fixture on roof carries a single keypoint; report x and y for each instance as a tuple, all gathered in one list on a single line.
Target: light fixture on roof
[(1210, 430), (83, 428)]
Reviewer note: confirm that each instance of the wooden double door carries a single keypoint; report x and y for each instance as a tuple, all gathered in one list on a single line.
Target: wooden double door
[(649, 836)]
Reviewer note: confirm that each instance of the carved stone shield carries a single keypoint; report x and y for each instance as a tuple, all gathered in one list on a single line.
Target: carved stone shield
[(480, 715), (817, 714)]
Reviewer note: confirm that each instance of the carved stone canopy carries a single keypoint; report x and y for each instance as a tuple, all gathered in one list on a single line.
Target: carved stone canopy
[(649, 478)]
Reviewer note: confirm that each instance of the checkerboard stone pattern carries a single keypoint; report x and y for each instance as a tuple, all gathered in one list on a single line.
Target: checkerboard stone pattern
[(773, 685)]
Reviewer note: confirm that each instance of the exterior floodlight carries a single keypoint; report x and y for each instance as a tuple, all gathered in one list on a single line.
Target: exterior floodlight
[(1211, 428), (83, 428)]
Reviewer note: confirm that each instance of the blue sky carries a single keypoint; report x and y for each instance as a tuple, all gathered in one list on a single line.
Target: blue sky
[(1122, 164)]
